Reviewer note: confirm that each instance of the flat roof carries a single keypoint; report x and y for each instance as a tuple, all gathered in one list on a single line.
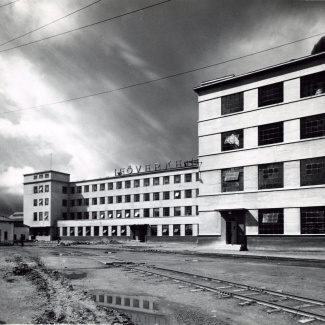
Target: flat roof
[(45, 171), (220, 81)]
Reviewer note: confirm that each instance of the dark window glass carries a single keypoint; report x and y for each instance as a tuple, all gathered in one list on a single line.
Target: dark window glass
[(119, 199), (127, 184), (79, 215), (146, 182), (110, 186), (156, 181), (72, 215), (156, 212), (146, 213), (177, 211), (166, 212), (188, 194), (165, 230), (35, 202), (313, 220), (270, 221), (96, 231), (71, 231), (102, 187), (102, 200), (166, 195), (270, 94), (166, 179), (35, 216), (232, 140), (188, 230), (136, 183), (127, 198), (118, 213), (64, 231), (86, 202), (79, 189), (146, 197), (94, 215), (64, 189), (188, 178), (127, 214), (79, 231), (270, 176), (312, 126), (188, 211), (110, 199), (86, 188), (136, 213), (270, 133), (312, 171), (177, 179), (232, 179), (118, 185), (94, 201), (312, 84), (72, 190), (105, 230), (94, 188), (156, 196), (123, 230), (136, 197), (110, 214), (114, 230), (232, 103), (64, 203), (176, 230), (154, 231), (177, 194)]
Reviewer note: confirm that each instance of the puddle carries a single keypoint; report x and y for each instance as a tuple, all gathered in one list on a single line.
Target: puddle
[(74, 275), (142, 310)]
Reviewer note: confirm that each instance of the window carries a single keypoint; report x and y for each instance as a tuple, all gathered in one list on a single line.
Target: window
[(156, 181), (123, 230), (146, 182), (86, 188), (86, 202), (313, 84), (188, 194), (79, 189), (270, 133), (71, 190), (64, 216), (64, 203), (105, 230), (312, 220), (35, 189), (197, 192), (232, 103), (156, 196), (40, 202), (102, 200), (270, 94), (165, 230), (232, 140), (94, 188), (40, 176), (136, 197), (79, 202), (127, 213), (188, 211), (96, 231), (88, 231), (110, 186), (166, 212), (136, 213), (177, 194), (35, 216), (146, 213), (72, 203), (35, 176), (86, 215), (119, 214), (102, 214), (127, 302), (47, 175), (40, 189), (47, 188), (270, 221), (177, 211), (110, 214), (110, 200), (136, 183), (154, 230), (232, 179), (197, 177), (46, 215), (46, 201), (64, 231), (312, 126), (118, 185), (79, 230), (119, 199), (79, 215), (156, 212), (127, 198), (64, 190), (146, 197), (127, 184), (176, 230), (166, 180), (188, 230), (188, 178), (35, 203), (102, 187), (197, 210), (166, 195), (177, 179), (94, 201), (71, 231), (270, 176), (312, 171)]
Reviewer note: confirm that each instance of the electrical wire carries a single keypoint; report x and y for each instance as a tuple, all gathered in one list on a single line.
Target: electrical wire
[(86, 26), (10, 3), (159, 79), (52, 22)]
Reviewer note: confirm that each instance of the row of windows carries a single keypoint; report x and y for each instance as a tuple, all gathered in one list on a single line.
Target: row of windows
[(165, 231), (128, 184), (128, 198), (310, 85), (40, 216), (134, 213), (312, 221), (310, 127), (41, 202), (41, 176), (41, 188), (312, 172)]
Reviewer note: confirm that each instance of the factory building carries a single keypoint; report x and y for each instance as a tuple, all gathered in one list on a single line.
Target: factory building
[(262, 149)]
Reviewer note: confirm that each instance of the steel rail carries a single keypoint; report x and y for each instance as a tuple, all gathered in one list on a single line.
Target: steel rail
[(236, 295)]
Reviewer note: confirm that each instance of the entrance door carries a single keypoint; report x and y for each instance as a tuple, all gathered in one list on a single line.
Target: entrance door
[(140, 233), (234, 232)]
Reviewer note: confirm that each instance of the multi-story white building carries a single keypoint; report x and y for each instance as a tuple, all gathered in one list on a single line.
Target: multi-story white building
[(151, 205), (262, 149)]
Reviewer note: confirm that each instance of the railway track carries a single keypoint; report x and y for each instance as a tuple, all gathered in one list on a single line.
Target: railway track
[(277, 301)]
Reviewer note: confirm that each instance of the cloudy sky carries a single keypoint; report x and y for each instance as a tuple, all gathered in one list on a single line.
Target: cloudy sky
[(148, 123)]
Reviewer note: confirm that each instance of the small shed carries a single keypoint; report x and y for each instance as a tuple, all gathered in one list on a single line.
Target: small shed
[(6, 231)]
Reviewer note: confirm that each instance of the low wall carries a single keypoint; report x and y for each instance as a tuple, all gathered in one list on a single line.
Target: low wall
[(174, 239), (97, 238), (286, 243)]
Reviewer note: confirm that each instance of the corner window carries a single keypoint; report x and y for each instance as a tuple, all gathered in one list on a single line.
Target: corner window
[(232, 140), (312, 220), (270, 176), (313, 84), (270, 221), (232, 103), (270, 133), (312, 126), (312, 171), (232, 179), (270, 94)]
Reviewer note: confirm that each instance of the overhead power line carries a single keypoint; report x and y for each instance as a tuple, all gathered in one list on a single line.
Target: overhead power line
[(52, 22), (86, 26), (10, 3), (159, 79)]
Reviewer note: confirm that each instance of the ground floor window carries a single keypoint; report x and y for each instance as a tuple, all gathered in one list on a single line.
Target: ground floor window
[(165, 230), (177, 230), (96, 231), (79, 231), (188, 230), (312, 220), (64, 231), (72, 231), (154, 231), (123, 230), (270, 221), (87, 231), (105, 231), (114, 230)]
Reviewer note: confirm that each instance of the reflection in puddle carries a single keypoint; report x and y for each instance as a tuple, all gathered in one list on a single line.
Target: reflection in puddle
[(141, 309)]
